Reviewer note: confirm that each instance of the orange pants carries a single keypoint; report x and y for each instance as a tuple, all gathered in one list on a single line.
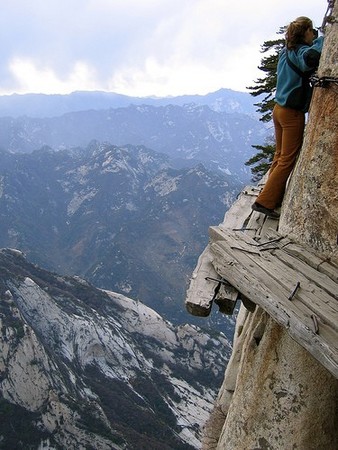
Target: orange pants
[(289, 130)]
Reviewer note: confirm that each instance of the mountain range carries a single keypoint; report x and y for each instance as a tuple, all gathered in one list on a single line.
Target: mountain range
[(122, 196), (188, 134), (43, 105), (120, 217), (104, 209), (83, 368)]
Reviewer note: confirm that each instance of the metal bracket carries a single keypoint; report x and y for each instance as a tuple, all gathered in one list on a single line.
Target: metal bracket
[(293, 293)]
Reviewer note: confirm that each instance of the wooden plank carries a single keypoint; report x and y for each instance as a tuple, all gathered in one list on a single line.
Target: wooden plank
[(315, 287), (226, 298), (299, 326), (239, 213), (256, 241), (329, 268), (237, 259), (275, 245), (311, 295), (311, 301), (207, 286), (308, 255), (269, 224), (320, 279), (254, 224), (201, 289)]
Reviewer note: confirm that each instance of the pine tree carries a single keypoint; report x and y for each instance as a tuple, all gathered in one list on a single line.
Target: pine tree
[(266, 85)]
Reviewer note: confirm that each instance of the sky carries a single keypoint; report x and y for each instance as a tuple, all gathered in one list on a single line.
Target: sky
[(139, 47)]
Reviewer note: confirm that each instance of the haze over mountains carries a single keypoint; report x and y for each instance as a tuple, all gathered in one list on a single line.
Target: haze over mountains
[(130, 211), (218, 133), (102, 212), (42, 105)]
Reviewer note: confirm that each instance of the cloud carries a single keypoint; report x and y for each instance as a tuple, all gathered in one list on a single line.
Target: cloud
[(148, 47), (32, 78)]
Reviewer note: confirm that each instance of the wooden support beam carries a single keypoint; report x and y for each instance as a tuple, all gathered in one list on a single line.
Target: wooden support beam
[(201, 292), (202, 286), (239, 213), (226, 298)]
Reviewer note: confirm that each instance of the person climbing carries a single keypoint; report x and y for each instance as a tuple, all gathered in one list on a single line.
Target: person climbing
[(297, 62)]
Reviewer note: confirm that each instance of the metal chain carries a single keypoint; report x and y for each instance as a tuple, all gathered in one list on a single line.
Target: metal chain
[(325, 82), (328, 17)]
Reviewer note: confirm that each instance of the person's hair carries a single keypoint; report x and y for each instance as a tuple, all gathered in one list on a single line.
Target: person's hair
[(296, 30)]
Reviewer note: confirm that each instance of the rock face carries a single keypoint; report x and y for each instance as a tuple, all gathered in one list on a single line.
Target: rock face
[(311, 214), (312, 193), (85, 368), (271, 397)]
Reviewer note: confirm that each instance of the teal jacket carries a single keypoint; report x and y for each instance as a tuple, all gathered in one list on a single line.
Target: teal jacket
[(292, 90)]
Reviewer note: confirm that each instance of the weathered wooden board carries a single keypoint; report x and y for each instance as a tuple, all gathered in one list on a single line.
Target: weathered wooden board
[(280, 265), (202, 286), (269, 278), (269, 224), (275, 250), (299, 324), (201, 290), (226, 298), (207, 286), (323, 281), (306, 254), (239, 213), (329, 268)]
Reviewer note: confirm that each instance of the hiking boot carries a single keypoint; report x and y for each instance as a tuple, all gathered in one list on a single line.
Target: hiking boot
[(268, 212)]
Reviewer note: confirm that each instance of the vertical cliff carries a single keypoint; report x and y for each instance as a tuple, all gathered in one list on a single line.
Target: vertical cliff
[(311, 203), (275, 395)]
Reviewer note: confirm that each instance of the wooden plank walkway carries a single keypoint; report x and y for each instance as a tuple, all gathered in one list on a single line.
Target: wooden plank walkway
[(297, 288)]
